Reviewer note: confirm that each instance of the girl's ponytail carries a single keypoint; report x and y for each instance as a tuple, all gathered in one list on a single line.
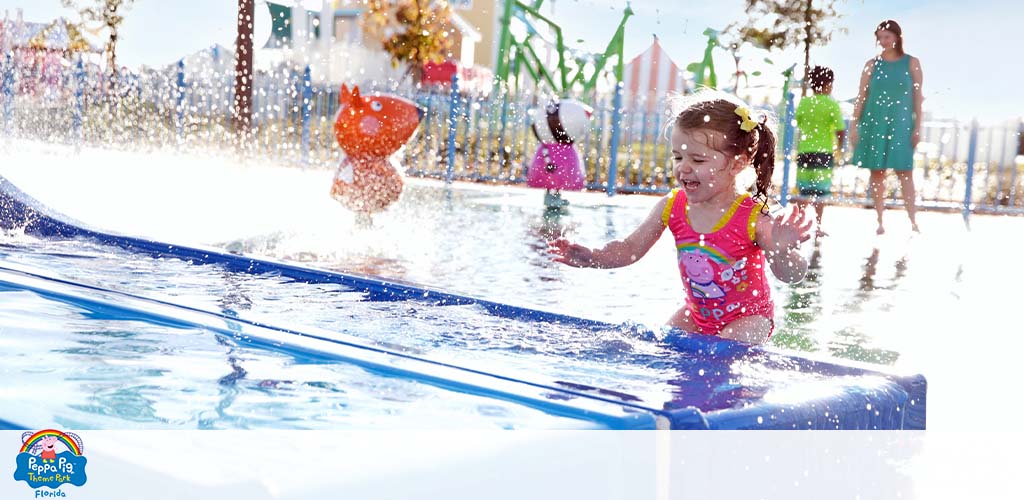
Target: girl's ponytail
[(764, 160)]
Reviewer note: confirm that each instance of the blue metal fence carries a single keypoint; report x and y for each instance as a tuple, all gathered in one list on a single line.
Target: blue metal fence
[(482, 138)]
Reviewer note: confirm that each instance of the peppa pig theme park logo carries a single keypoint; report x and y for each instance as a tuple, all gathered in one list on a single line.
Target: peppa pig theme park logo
[(50, 458)]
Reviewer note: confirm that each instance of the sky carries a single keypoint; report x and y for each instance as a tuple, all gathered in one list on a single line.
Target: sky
[(970, 52)]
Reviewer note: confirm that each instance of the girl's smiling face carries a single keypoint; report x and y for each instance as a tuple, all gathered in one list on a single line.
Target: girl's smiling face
[(704, 173)]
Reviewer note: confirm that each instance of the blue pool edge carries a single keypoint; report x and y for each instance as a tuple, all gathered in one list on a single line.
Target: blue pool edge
[(20, 211)]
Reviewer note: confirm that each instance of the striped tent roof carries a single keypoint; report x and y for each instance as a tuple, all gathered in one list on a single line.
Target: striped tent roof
[(651, 76)]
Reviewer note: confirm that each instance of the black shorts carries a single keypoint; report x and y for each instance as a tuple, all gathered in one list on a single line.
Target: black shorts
[(814, 174)]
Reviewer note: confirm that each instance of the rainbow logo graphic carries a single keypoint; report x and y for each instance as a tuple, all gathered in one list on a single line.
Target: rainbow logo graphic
[(50, 458), (703, 248)]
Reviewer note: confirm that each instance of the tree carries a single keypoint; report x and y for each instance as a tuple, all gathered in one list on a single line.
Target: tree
[(105, 12), (411, 31), (241, 112), (778, 24)]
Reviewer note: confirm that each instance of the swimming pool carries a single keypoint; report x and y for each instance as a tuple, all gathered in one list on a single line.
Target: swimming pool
[(425, 239)]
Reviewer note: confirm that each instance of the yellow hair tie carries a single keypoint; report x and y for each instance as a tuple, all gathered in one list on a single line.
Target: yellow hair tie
[(747, 125)]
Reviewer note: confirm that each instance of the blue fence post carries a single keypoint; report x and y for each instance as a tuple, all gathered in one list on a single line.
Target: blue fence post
[(453, 110), (78, 116), (972, 146), (613, 160), (7, 90), (307, 102), (787, 150), (844, 148), (180, 121), (501, 136)]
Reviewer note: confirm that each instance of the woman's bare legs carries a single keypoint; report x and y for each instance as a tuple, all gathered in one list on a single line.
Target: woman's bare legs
[(909, 195), (878, 196)]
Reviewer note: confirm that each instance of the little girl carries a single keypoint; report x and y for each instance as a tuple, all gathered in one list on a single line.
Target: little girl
[(723, 236)]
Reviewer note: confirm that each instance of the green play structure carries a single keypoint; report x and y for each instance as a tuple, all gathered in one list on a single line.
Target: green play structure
[(704, 70), (515, 56)]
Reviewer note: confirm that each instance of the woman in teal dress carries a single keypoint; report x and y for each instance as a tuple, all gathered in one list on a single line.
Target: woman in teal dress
[(887, 118)]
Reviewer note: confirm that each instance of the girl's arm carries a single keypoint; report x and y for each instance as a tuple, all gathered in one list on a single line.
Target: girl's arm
[(916, 76), (618, 253), (780, 238)]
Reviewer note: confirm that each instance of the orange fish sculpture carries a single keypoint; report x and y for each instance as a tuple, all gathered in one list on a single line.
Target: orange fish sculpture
[(369, 130)]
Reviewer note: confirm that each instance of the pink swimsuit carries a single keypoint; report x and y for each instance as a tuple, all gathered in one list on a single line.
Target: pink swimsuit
[(724, 270)]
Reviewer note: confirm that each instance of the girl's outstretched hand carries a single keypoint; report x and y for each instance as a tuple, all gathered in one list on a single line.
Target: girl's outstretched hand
[(791, 230), (570, 253)]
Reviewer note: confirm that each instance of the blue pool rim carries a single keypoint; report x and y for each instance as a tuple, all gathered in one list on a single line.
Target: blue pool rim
[(907, 393)]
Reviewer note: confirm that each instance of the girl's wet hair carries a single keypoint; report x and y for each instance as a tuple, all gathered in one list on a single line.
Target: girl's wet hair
[(715, 111)]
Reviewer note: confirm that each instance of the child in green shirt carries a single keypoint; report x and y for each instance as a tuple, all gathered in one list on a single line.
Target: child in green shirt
[(821, 132)]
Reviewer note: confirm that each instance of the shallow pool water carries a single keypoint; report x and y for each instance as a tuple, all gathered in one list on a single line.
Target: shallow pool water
[(934, 303), (110, 366), (77, 367)]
